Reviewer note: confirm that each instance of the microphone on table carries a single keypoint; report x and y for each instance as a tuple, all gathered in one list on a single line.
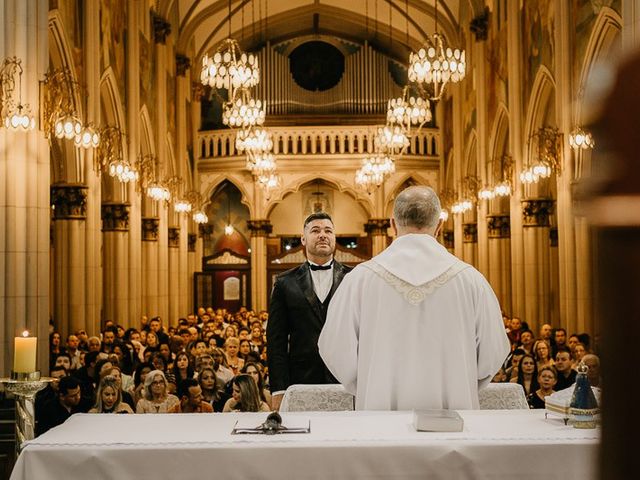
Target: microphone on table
[(273, 424)]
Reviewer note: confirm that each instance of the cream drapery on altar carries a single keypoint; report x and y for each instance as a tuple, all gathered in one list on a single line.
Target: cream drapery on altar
[(414, 328)]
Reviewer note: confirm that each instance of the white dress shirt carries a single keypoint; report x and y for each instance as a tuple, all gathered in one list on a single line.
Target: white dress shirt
[(322, 280)]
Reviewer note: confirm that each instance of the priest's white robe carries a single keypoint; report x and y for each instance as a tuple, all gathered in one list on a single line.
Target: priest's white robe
[(414, 328)]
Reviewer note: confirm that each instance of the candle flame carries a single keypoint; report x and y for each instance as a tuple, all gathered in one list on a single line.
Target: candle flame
[(25, 333)]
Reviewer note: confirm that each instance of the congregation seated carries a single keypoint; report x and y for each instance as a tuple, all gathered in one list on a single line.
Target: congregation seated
[(527, 374), (191, 400), (566, 374), (57, 409), (547, 378)]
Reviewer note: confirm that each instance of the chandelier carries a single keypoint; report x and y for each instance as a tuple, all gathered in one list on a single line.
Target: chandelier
[(230, 68), (462, 206), (436, 63), (67, 126), (547, 160), (486, 193), (121, 170), (182, 205), (254, 141), (262, 164), (373, 172), (16, 115), (200, 217), (244, 111), (579, 138), (391, 139), (88, 137), (158, 191), (407, 111)]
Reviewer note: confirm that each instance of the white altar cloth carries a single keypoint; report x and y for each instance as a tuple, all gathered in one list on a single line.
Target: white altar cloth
[(496, 444)]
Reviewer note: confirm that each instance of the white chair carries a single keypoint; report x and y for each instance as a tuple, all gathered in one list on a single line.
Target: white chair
[(316, 398), (502, 396)]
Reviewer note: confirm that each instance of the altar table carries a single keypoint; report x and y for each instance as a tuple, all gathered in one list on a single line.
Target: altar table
[(495, 444)]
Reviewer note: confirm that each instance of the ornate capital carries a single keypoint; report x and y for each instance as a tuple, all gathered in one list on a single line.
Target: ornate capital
[(161, 28), (499, 226), (205, 230), (182, 64), (377, 226), (480, 25), (259, 228), (536, 212), (69, 201), (115, 217), (197, 91), (447, 237), (174, 237), (150, 229), (470, 233), (191, 242)]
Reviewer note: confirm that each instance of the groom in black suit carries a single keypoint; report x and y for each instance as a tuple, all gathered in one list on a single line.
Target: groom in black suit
[(298, 310)]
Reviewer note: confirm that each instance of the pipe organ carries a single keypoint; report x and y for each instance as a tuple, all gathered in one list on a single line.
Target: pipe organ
[(365, 87)]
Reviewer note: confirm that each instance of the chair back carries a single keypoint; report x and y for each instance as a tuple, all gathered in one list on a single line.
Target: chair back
[(502, 396), (316, 398)]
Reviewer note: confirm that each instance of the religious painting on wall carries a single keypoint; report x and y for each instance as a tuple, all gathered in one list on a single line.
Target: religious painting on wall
[(113, 31), (317, 199), (147, 75), (585, 14), (538, 26)]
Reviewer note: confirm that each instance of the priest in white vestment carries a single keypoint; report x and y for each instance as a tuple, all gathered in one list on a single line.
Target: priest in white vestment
[(414, 327)]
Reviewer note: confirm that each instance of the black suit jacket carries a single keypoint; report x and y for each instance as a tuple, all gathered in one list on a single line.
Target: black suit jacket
[(296, 317)]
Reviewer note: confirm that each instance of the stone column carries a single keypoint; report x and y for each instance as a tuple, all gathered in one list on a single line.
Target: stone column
[(535, 219), (92, 223), (192, 244), (115, 233), (173, 241), (24, 191), (470, 243), (150, 266), (183, 268), (70, 209), (515, 56), (376, 229), (260, 229), (499, 231)]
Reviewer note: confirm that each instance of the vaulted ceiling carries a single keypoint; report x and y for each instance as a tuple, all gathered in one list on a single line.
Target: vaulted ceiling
[(394, 26)]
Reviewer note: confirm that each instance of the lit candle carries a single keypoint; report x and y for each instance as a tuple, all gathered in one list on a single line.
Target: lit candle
[(24, 356)]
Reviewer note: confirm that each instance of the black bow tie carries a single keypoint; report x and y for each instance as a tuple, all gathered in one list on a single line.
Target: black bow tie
[(320, 267)]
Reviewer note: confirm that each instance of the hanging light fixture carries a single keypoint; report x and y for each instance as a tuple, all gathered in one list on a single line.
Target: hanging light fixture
[(158, 191), (121, 170), (391, 139), (486, 193), (408, 111), (229, 67), (200, 217), (579, 138), (436, 63), (243, 111), (254, 141), (261, 164), (88, 137), (547, 160), (16, 115), (373, 172), (67, 126)]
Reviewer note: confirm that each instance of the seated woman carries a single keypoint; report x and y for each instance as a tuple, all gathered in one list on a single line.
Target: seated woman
[(231, 349), (212, 389), (156, 398), (182, 369), (245, 397), (579, 351), (109, 397), (547, 378), (542, 353), (527, 374), (221, 368), (254, 370), (142, 370)]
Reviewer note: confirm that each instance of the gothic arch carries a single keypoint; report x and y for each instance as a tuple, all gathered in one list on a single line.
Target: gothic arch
[(499, 140), (147, 142), (539, 108), (408, 177), (211, 188), (339, 185), (470, 165), (66, 160), (606, 32)]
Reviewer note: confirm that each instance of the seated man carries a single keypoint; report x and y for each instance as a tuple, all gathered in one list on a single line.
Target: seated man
[(61, 407), (191, 401), (566, 374)]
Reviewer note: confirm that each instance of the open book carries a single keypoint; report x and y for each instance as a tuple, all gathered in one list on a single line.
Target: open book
[(437, 421)]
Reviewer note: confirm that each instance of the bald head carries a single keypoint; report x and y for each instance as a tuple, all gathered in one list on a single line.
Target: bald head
[(417, 210)]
